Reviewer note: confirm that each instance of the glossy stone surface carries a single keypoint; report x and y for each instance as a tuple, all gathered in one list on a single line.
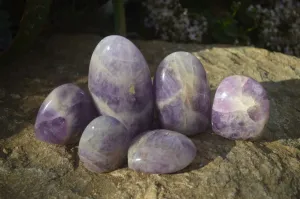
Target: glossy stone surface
[(104, 144), (240, 108), (161, 151), (64, 114), (182, 94), (120, 83)]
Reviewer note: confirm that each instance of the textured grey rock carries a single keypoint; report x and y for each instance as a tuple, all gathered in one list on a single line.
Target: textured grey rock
[(266, 169)]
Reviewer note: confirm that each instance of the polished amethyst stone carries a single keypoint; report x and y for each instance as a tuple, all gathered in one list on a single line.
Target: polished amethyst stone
[(161, 151), (64, 114), (104, 144), (182, 94), (240, 108), (120, 83)]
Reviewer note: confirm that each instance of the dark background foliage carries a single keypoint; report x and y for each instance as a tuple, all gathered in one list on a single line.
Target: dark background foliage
[(228, 20)]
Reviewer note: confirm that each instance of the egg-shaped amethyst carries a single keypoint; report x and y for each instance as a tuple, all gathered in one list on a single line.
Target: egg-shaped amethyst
[(120, 83), (161, 151), (240, 109), (182, 94), (104, 144), (64, 114)]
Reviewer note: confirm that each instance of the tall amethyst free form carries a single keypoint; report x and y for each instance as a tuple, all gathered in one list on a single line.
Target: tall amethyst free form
[(64, 114), (161, 151), (182, 94), (120, 83), (240, 108), (104, 144)]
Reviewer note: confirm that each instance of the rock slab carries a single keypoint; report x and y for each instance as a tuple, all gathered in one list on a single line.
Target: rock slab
[(265, 169)]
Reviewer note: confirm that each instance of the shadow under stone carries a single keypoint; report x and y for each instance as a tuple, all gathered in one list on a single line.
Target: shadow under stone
[(284, 121), (209, 147), (72, 149)]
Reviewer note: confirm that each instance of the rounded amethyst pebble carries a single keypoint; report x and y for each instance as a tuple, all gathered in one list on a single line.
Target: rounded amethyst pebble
[(182, 94), (104, 144), (120, 83), (240, 108), (161, 151), (64, 114)]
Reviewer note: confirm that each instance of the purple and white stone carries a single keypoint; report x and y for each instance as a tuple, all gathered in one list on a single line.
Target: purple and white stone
[(104, 145), (182, 94), (64, 114), (240, 109), (120, 83), (161, 151)]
